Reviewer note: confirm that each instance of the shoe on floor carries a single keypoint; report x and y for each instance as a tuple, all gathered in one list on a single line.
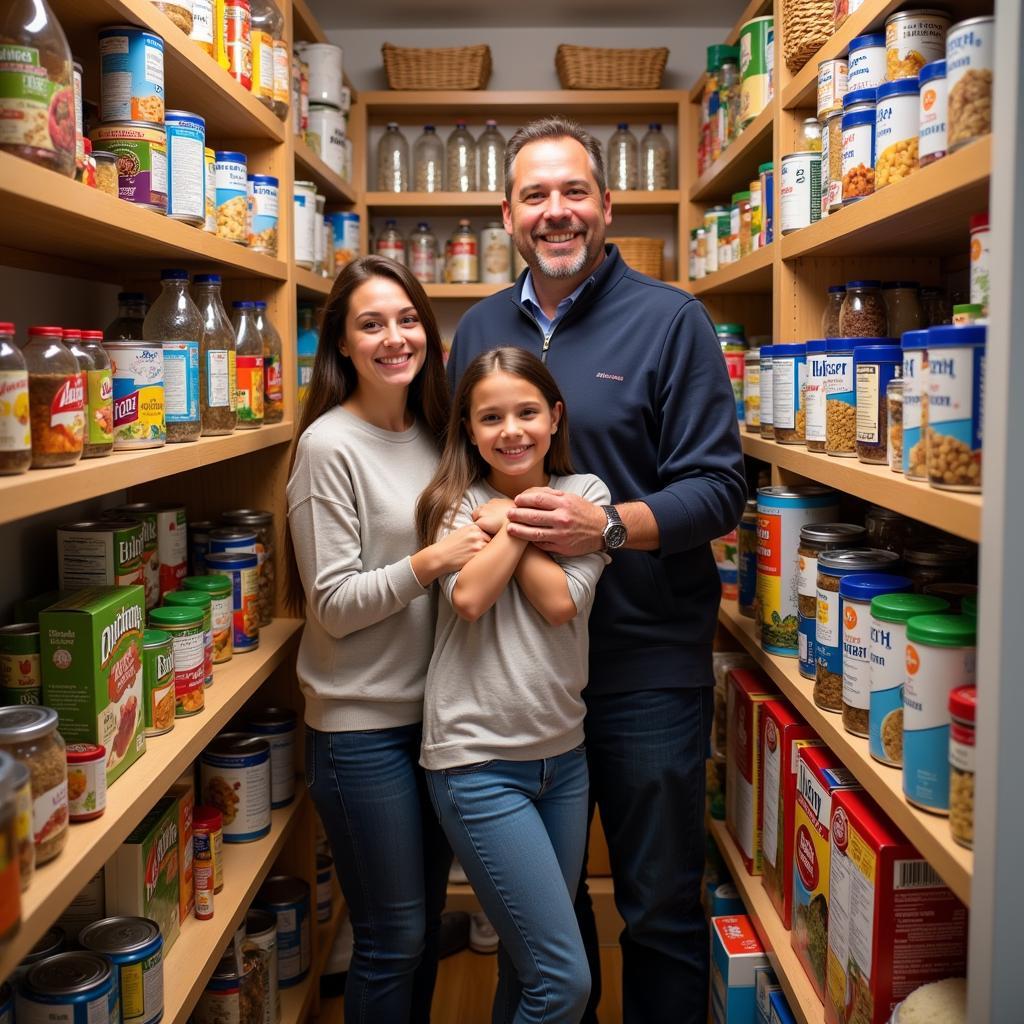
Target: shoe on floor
[(482, 937), (454, 933), (456, 876)]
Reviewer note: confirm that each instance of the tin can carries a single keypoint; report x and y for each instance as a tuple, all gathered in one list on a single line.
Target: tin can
[(230, 994), (202, 602), (199, 545), (800, 192), (231, 195), (186, 166), (747, 558), (242, 568), (324, 896), (970, 52), (832, 84), (87, 781), (146, 516), (203, 33), (231, 540), (158, 681), (754, 76), (766, 391), (866, 62), (185, 626), (931, 133), (107, 553), (326, 135), (858, 145), (913, 39), (346, 238), (131, 75), (325, 73), (235, 774), (261, 932), (141, 152), (54, 941), (208, 821), (167, 524), (781, 513), (897, 123), (137, 368), (940, 657), (304, 212), (288, 900), (202, 874), (262, 216), (789, 373), (72, 988), (237, 22), (135, 947), (277, 726), (980, 261), (915, 405), (210, 191), (219, 590), (716, 223), (21, 681)]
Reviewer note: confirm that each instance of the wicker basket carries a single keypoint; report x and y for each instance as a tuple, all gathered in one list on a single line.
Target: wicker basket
[(457, 67), (642, 254), (806, 24), (587, 67)]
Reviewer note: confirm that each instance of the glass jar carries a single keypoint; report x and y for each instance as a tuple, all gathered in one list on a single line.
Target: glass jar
[(730, 97), (29, 734), (106, 171), (428, 161), (623, 159), (217, 371), (745, 238), (655, 160), (943, 562), (747, 557), (962, 703), (423, 254), (273, 378), (248, 367), (752, 391), (815, 398), (390, 243), (789, 372), (863, 313), (86, 365), (767, 409), (56, 398), (392, 160), (894, 414), (463, 266), (874, 365), (10, 888), (262, 524), (460, 153), (935, 308), (99, 388), (887, 530), (24, 833), (830, 323), (902, 307), (131, 315), (266, 23), (809, 138), (15, 432), (490, 159)]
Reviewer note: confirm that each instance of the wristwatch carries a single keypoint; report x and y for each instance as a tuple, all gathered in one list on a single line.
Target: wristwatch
[(615, 533)]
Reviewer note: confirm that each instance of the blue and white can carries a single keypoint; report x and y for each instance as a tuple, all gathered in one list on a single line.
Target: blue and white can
[(262, 190), (69, 988), (186, 166), (858, 144), (231, 540), (277, 726), (232, 196), (915, 404), (866, 62), (131, 75), (135, 946), (346, 237), (287, 899), (235, 774)]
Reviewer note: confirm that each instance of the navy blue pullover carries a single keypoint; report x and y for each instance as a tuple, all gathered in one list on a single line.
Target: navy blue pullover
[(651, 412)]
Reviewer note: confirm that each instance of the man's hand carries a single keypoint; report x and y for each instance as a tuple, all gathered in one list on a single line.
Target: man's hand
[(564, 524), (492, 516)]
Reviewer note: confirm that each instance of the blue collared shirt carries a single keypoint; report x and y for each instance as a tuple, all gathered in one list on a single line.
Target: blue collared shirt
[(529, 299)]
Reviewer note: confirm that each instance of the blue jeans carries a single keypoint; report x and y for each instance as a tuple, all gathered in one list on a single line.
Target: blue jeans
[(646, 751), (519, 829), (392, 861)]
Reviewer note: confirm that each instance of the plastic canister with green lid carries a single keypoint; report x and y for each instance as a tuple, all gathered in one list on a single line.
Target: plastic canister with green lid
[(201, 601), (219, 589), (188, 644)]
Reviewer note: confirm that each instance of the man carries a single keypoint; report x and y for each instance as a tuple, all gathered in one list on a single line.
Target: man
[(651, 412)]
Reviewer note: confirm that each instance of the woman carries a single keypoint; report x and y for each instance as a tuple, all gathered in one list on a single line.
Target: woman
[(368, 443)]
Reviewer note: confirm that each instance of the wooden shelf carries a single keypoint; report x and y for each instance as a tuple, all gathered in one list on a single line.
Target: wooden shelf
[(304, 23), (753, 273), (53, 216), (609, 105), (89, 845), (737, 167), (310, 285), (952, 511), (463, 292), (201, 944), (800, 994), (412, 204), (928, 832), (41, 489), (309, 165)]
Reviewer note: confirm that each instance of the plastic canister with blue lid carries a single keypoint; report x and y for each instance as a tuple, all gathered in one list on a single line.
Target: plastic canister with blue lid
[(876, 361), (865, 65), (897, 122), (231, 195), (931, 131), (858, 145), (841, 395)]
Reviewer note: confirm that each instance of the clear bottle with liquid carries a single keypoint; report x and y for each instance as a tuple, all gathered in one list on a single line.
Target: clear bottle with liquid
[(428, 161), (393, 160), (131, 314), (464, 255), (423, 253), (273, 376), (655, 160), (461, 160), (249, 366), (390, 243), (217, 372), (623, 157), (490, 159)]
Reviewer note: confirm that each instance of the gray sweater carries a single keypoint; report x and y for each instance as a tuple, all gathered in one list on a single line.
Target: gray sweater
[(369, 624), (508, 686)]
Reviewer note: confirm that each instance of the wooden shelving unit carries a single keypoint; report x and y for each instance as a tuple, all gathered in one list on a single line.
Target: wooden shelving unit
[(309, 165), (310, 285), (752, 273), (408, 204), (737, 166), (467, 292)]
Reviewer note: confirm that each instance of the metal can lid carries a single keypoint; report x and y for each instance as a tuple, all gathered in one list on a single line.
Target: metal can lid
[(172, 617), (85, 753), (20, 638), (184, 115), (26, 722), (120, 935), (102, 526), (869, 585), (847, 534), (963, 700), (49, 945), (934, 69), (155, 638), (901, 607), (68, 974), (247, 517), (799, 491), (259, 922), (283, 889), (232, 560), (842, 561), (274, 719), (943, 630), (234, 533), (236, 744)]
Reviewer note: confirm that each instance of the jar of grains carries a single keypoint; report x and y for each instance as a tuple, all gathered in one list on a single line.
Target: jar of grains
[(962, 702), (814, 395), (948, 561), (840, 398), (856, 592), (766, 392), (833, 566), (902, 307), (863, 313), (815, 539), (915, 405), (29, 734), (874, 365), (833, 306), (752, 391), (894, 414), (789, 371), (832, 163)]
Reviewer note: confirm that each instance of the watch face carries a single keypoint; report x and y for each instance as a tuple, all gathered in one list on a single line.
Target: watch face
[(614, 536)]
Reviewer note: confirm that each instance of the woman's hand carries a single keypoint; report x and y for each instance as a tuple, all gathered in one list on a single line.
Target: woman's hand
[(493, 516), (449, 554)]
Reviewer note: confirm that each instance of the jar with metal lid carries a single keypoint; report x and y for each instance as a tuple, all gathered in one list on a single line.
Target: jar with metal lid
[(830, 322), (15, 436), (752, 391), (23, 833), (863, 313), (856, 592), (945, 562), (902, 307), (874, 365), (894, 414), (789, 373), (56, 399), (765, 391), (21, 680), (887, 529), (915, 405), (262, 524), (747, 555), (962, 703), (833, 566), (29, 734), (10, 886), (815, 539)]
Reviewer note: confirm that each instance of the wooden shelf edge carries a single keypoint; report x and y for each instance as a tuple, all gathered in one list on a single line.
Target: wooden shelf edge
[(312, 285), (335, 187), (707, 186), (752, 273), (928, 832), (381, 101), (464, 292), (130, 799), (304, 19)]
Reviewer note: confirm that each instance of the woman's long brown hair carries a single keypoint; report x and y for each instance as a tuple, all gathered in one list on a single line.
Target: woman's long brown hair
[(461, 463), (334, 377)]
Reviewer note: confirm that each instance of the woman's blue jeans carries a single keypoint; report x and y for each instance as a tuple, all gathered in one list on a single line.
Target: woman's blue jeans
[(519, 829), (392, 861)]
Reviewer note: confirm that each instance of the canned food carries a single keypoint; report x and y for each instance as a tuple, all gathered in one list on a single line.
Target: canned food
[(755, 82), (915, 405), (107, 553), (866, 62), (288, 899), (131, 75), (874, 366), (326, 135), (135, 947), (858, 145), (897, 123), (198, 600), (970, 52), (54, 941), (137, 368), (789, 374), (209, 822), (21, 681), (956, 373), (232, 196), (231, 540), (73, 988), (219, 590), (833, 76), (141, 152), (324, 895), (186, 166), (980, 260), (87, 781), (237, 29), (800, 191), (185, 626), (261, 932), (235, 774), (199, 545), (167, 522), (304, 213), (346, 238), (231, 995), (203, 873), (261, 225), (277, 726), (158, 681), (210, 191), (931, 133), (242, 568), (913, 39)]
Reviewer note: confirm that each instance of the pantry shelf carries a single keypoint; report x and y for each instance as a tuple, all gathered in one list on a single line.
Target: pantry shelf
[(310, 285), (309, 165), (411, 204), (130, 798), (752, 273), (951, 511), (928, 832), (775, 938), (754, 9), (41, 489), (734, 170), (465, 292), (201, 944)]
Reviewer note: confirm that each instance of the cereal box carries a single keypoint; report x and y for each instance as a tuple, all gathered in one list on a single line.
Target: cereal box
[(893, 924), (184, 792), (91, 659), (746, 692), (783, 733), (819, 774), (737, 957), (723, 899), (767, 983), (142, 875), (780, 1011)]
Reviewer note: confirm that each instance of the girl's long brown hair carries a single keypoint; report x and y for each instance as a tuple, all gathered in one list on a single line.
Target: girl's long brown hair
[(334, 377), (461, 462)]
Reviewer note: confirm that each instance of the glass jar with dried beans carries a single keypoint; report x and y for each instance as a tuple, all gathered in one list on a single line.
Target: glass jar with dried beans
[(894, 414), (863, 313), (945, 562), (962, 703), (874, 365)]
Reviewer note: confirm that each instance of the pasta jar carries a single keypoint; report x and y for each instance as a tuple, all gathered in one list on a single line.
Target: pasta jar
[(752, 391), (970, 51), (833, 567), (876, 361), (10, 886), (940, 657), (87, 781), (890, 614), (913, 39), (185, 626), (858, 145), (857, 592), (747, 556), (789, 372), (840, 398), (832, 163), (866, 62), (200, 602), (219, 590), (956, 372), (915, 405), (766, 392), (980, 261), (815, 539), (894, 414), (931, 113), (962, 703), (814, 395), (800, 190), (832, 86), (897, 123)]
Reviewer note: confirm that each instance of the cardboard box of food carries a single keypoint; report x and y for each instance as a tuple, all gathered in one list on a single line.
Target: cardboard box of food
[(737, 957), (184, 792), (91, 660)]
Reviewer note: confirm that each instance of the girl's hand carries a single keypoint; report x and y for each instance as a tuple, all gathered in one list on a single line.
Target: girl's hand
[(455, 550), (493, 516)]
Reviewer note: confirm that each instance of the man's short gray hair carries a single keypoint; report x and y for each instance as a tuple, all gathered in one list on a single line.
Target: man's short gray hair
[(554, 127)]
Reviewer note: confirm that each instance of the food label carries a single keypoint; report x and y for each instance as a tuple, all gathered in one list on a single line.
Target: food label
[(100, 386), (219, 390), (15, 435), (262, 64), (832, 86), (221, 623), (262, 216), (282, 72), (100, 558), (186, 166), (955, 381), (132, 76), (239, 787), (172, 545), (89, 1011), (244, 607), (138, 397), (932, 119), (885, 717), (867, 403), (788, 376), (767, 392), (20, 678), (752, 393), (35, 111), (189, 647), (142, 990), (866, 68), (814, 406), (50, 813), (839, 379), (463, 262), (202, 24), (828, 632), (858, 160), (141, 162), (969, 61), (87, 790), (181, 381), (150, 556), (856, 661), (67, 415), (249, 391), (896, 129), (800, 191), (210, 191), (912, 42), (231, 199), (980, 268), (158, 679), (237, 32), (273, 380)]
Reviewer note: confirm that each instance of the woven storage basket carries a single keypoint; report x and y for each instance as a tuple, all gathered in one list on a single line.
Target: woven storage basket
[(806, 24), (588, 67), (643, 254), (457, 67)]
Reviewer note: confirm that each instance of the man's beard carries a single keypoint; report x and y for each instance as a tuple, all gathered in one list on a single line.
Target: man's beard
[(558, 269)]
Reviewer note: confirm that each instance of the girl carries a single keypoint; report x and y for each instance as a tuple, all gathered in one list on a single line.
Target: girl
[(367, 444), (503, 712)]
